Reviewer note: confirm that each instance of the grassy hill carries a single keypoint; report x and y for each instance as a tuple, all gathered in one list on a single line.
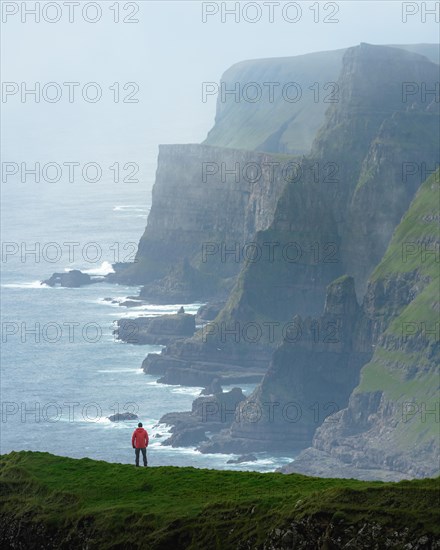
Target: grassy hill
[(285, 122), (56, 502)]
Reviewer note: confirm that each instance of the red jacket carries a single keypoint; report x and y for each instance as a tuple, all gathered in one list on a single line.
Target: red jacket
[(139, 439)]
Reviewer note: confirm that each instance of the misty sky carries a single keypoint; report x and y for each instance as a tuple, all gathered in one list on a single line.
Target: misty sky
[(169, 53)]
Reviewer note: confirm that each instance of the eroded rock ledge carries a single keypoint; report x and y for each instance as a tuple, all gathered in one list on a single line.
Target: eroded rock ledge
[(160, 329)]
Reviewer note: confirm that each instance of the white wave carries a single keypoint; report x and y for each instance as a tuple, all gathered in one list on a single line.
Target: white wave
[(108, 303), (104, 420), (152, 310), (187, 391), (101, 420), (174, 388), (179, 450), (33, 284), (129, 207), (246, 388), (104, 269), (159, 426), (117, 300), (158, 384), (111, 371)]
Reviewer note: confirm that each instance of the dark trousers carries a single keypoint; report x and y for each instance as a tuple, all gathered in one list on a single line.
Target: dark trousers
[(144, 455)]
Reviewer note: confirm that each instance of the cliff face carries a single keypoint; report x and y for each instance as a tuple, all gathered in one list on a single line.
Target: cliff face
[(331, 220), (286, 117), (396, 144), (310, 377), (404, 154), (189, 210), (288, 120), (335, 218), (353, 189), (388, 425), (206, 201), (371, 142), (391, 423)]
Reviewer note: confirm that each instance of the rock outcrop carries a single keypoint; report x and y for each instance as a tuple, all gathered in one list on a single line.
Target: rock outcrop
[(209, 312), (191, 362), (71, 279), (122, 417), (390, 427), (208, 414), (310, 377), (160, 329)]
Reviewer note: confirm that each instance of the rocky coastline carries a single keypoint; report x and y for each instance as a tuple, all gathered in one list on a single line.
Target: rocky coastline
[(344, 296)]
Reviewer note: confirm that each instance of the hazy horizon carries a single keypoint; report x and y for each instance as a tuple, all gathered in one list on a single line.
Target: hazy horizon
[(169, 53)]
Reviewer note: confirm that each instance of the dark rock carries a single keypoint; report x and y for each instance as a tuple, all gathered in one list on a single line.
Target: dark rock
[(209, 311), (242, 458), (219, 406), (169, 262), (307, 380), (191, 362), (188, 437), (211, 414), (118, 417), (131, 303), (161, 329), (213, 388), (70, 279)]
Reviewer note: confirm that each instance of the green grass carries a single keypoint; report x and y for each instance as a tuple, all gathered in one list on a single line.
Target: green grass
[(390, 372), (422, 314), (118, 505), (395, 381), (410, 373), (405, 132), (415, 235)]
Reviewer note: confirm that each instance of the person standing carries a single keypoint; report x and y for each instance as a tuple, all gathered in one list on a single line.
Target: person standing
[(139, 442)]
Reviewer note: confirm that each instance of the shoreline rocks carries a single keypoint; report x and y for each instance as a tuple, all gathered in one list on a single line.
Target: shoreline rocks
[(161, 329), (308, 380), (209, 414), (71, 279), (209, 311), (121, 417), (192, 362)]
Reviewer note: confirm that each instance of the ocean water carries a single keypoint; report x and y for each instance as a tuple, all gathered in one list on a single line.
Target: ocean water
[(62, 371)]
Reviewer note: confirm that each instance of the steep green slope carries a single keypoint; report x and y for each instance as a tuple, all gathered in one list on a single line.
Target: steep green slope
[(405, 365), (393, 417), (415, 242), (55, 502)]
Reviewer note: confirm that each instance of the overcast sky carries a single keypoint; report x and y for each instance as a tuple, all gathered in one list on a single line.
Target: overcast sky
[(168, 53)]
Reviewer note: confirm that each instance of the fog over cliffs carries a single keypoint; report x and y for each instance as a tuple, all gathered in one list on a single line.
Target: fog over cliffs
[(356, 168)]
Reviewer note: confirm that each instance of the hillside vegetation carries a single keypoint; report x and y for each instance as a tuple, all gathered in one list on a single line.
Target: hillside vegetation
[(55, 502)]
